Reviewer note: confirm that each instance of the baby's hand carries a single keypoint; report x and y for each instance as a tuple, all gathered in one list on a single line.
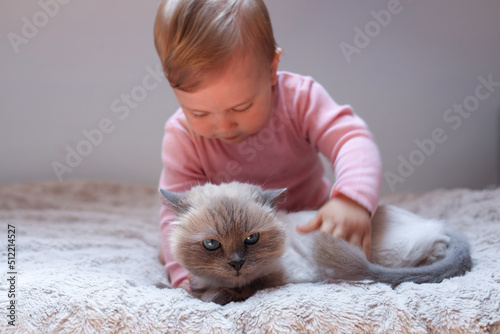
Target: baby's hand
[(186, 284), (345, 219)]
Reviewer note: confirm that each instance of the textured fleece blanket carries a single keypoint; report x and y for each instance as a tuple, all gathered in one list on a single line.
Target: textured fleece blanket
[(86, 262)]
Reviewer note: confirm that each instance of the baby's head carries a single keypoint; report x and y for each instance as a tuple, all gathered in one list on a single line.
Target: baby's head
[(221, 58), (196, 37)]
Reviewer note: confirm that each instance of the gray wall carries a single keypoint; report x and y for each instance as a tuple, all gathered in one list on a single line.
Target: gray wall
[(81, 75)]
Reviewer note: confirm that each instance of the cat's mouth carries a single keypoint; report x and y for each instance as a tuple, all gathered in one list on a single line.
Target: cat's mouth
[(238, 274)]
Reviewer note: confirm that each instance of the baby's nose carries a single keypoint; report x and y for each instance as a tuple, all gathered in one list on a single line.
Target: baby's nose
[(226, 124)]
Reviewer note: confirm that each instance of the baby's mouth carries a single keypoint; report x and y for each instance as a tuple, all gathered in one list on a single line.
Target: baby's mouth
[(231, 138)]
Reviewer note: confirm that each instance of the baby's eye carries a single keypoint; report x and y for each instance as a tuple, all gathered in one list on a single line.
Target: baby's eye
[(211, 244), (199, 114), (244, 108), (252, 239)]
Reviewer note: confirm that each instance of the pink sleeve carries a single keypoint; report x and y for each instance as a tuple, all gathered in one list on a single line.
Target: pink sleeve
[(358, 172), (345, 140), (176, 273), (180, 172)]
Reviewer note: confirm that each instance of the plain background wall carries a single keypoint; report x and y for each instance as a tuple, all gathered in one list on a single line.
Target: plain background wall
[(68, 67)]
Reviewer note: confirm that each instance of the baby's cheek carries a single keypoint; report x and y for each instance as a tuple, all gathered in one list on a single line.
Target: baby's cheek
[(201, 126)]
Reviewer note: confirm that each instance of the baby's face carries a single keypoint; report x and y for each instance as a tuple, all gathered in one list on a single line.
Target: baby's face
[(233, 104)]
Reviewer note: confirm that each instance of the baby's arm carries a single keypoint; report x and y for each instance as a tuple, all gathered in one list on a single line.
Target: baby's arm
[(180, 172), (343, 137), (178, 276), (354, 195)]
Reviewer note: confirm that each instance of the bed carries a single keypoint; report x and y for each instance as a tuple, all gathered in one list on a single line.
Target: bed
[(86, 262)]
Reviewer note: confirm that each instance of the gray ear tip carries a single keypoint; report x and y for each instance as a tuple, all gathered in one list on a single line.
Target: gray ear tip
[(283, 194), (176, 201), (274, 197)]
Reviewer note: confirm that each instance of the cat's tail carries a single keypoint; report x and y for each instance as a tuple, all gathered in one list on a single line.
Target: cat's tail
[(344, 261)]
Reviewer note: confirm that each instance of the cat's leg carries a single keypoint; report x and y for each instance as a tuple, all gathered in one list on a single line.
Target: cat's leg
[(271, 280), (224, 295), (221, 296)]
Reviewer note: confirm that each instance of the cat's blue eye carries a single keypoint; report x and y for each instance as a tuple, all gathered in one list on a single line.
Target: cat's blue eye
[(211, 244), (252, 239)]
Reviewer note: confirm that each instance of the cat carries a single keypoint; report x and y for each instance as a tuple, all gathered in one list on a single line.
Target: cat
[(234, 242)]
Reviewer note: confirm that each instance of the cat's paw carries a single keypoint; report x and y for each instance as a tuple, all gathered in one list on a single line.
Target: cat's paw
[(194, 283), (220, 296)]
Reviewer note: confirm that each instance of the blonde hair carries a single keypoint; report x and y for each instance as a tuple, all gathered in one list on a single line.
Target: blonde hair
[(196, 37)]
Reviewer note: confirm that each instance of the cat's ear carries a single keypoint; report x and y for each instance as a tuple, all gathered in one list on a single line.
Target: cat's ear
[(273, 197), (177, 201)]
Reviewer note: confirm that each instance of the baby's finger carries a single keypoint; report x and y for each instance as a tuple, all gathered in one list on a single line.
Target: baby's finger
[(312, 225), (185, 285), (366, 245), (337, 231), (355, 239)]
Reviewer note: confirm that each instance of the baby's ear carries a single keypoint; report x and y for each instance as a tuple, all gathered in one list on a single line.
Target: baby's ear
[(177, 201), (273, 197)]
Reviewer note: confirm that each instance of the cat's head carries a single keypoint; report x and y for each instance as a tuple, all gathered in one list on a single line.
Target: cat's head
[(226, 234)]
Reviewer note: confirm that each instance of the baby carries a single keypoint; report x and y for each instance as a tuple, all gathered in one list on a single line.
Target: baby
[(240, 119)]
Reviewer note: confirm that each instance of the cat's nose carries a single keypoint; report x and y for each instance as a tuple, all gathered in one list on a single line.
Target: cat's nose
[(237, 262)]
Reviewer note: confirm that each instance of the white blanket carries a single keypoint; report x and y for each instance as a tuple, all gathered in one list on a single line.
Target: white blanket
[(86, 262)]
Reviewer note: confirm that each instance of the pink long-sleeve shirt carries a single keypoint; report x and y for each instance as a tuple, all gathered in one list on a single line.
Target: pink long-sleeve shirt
[(305, 120)]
